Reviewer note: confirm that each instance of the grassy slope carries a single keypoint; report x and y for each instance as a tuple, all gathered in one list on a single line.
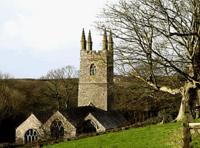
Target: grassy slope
[(150, 136)]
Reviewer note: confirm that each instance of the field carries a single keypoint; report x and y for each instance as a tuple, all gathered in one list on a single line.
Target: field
[(152, 136)]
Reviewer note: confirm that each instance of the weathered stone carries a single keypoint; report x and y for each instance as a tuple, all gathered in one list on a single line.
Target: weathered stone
[(69, 129), (30, 123), (96, 89), (100, 128)]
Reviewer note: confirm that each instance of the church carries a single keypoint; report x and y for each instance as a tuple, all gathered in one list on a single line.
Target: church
[(95, 100)]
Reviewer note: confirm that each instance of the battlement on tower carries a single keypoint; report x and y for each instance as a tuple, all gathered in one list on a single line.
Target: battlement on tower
[(94, 51)]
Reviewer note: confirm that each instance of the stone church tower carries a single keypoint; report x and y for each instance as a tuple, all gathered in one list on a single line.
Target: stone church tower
[(96, 74)]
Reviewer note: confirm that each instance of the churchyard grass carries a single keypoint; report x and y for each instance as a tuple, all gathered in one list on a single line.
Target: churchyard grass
[(151, 136)]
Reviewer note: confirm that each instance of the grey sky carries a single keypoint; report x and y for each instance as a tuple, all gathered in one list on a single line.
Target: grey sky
[(39, 35)]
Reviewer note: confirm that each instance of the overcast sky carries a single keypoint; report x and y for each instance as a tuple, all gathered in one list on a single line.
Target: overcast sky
[(39, 35)]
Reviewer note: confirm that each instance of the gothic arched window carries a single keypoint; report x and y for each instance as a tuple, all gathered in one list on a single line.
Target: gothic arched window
[(92, 69), (57, 129), (89, 127), (31, 135)]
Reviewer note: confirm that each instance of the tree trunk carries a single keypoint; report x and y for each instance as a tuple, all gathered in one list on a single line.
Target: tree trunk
[(180, 116), (189, 95)]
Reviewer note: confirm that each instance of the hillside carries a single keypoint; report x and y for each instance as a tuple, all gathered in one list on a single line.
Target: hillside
[(135, 101), (151, 136)]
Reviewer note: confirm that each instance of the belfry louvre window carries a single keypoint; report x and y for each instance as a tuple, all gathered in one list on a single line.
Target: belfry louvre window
[(92, 69), (31, 135), (57, 129)]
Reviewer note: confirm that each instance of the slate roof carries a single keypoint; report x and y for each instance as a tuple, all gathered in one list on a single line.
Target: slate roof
[(43, 116), (74, 115), (110, 119), (77, 115)]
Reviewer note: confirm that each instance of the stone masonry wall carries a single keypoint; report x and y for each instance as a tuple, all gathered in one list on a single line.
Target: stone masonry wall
[(99, 60), (30, 123), (95, 93), (100, 128), (69, 129), (93, 88)]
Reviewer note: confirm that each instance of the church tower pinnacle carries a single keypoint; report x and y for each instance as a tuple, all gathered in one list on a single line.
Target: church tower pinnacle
[(110, 42), (89, 42), (104, 41), (83, 41)]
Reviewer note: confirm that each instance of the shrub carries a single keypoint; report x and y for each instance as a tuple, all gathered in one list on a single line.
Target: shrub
[(165, 115)]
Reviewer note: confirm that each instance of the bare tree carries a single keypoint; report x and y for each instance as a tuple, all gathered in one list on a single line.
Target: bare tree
[(59, 84), (6, 76), (161, 36)]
